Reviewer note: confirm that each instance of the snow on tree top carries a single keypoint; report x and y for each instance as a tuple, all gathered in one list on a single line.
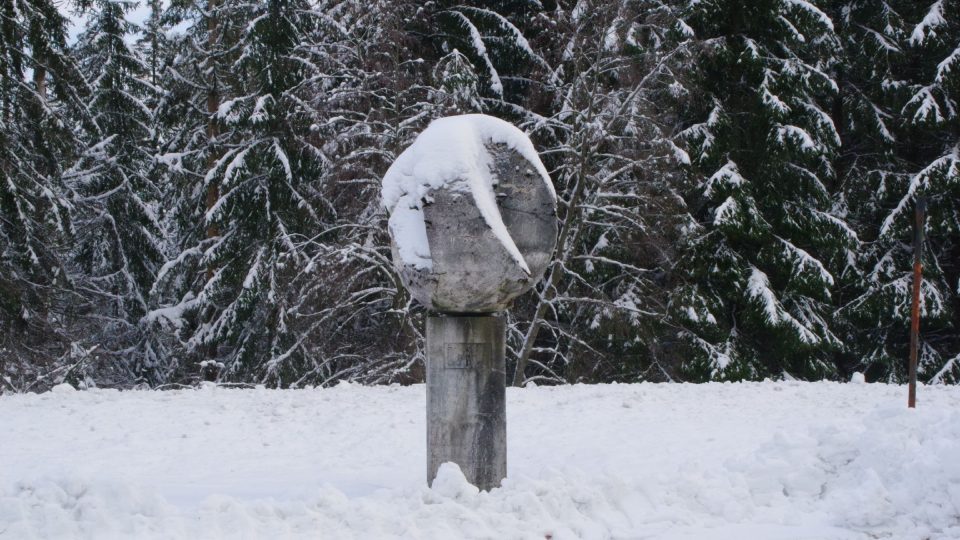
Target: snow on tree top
[(451, 154)]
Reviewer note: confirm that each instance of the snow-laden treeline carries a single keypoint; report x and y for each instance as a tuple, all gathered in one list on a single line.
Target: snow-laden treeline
[(197, 196)]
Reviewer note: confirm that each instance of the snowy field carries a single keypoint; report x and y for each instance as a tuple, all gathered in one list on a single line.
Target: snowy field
[(719, 461)]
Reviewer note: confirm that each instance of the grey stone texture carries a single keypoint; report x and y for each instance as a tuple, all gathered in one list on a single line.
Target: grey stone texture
[(466, 397), (472, 271)]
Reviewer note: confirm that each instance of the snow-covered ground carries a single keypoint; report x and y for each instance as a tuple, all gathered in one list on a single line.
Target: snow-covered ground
[(779, 460)]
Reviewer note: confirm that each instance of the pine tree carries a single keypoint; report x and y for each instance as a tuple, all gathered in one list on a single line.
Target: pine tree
[(153, 45), (40, 88), (900, 112), (934, 108), (117, 242), (582, 81), (763, 247), (872, 34), (248, 170), (456, 85)]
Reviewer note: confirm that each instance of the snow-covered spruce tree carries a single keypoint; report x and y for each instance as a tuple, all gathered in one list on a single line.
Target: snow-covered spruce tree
[(763, 246), (455, 85), (582, 80), (901, 112), (153, 46), (156, 52), (934, 110), (866, 115), (117, 247), (362, 324), (343, 304), (248, 171), (40, 88)]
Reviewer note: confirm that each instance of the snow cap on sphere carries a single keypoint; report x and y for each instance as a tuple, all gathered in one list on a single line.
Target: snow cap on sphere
[(451, 153), (472, 214)]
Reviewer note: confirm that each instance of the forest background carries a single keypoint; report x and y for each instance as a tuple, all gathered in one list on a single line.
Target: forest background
[(196, 196)]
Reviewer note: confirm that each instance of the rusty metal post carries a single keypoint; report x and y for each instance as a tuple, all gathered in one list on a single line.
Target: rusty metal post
[(920, 218)]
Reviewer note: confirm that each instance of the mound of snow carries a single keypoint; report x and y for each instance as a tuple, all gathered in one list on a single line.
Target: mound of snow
[(858, 378), (63, 388), (450, 482), (451, 154)]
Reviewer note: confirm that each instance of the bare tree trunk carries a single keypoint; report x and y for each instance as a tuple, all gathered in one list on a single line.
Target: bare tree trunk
[(571, 218), (212, 372), (40, 83)]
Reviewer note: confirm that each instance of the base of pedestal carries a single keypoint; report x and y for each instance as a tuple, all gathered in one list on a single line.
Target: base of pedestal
[(466, 397)]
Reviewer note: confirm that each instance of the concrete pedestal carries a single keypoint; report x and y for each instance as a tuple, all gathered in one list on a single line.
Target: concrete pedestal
[(466, 397)]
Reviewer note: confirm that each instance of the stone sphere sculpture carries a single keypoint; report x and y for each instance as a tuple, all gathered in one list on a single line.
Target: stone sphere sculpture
[(472, 215)]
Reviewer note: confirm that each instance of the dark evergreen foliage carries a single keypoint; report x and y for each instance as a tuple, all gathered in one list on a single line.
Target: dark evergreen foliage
[(197, 196), (901, 131), (117, 246), (41, 93), (763, 246)]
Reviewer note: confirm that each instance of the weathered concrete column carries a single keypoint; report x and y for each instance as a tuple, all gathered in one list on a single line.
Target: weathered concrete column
[(466, 397)]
